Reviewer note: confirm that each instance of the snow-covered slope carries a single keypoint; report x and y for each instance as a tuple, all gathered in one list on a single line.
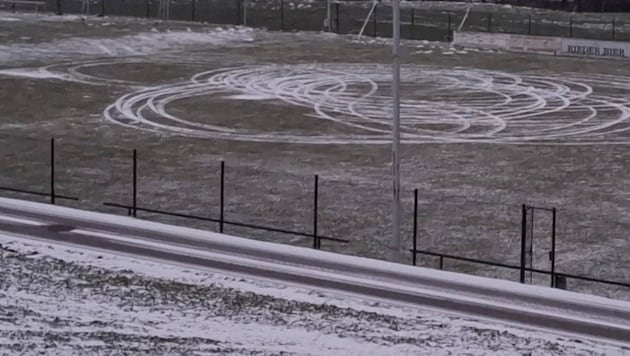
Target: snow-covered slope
[(60, 300), (488, 299)]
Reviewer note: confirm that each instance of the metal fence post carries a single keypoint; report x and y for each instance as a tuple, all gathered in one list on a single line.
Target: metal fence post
[(553, 247), (441, 263), (316, 240), (102, 14), (193, 15), (135, 183), (489, 22), (59, 8), (147, 8), (529, 25), (375, 24), (523, 243), (238, 12), (222, 199), (281, 15), (530, 254), (450, 25), (52, 171), (415, 225), (413, 23), (337, 18)]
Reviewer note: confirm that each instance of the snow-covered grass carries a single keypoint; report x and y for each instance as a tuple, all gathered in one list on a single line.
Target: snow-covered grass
[(153, 41), (65, 300)]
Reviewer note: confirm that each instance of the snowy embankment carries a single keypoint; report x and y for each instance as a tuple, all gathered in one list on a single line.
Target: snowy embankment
[(299, 277), (67, 300)]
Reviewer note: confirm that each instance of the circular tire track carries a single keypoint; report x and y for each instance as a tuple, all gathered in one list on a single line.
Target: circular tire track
[(439, 105)]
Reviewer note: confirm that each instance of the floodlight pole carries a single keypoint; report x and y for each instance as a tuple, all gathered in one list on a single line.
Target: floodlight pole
[(396, 241)]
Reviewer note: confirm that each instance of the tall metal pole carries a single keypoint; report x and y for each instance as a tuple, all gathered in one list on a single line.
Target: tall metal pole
[(396, 241)]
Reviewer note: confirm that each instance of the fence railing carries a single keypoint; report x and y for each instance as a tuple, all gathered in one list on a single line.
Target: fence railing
[(132, 211), (348, 17), (554, 275), (53, 197), (133, 208)]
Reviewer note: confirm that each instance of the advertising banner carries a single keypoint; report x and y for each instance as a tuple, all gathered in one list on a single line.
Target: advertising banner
[(596, 49)]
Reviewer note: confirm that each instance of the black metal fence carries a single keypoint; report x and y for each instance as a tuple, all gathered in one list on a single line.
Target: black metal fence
[(557, 278), (348, 17), (133, 208)]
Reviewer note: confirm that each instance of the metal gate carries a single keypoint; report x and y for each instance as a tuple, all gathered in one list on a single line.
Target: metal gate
[(538, 244)]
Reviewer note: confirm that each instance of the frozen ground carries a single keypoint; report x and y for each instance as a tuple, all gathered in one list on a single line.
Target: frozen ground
[(68, 301), (484, 133)]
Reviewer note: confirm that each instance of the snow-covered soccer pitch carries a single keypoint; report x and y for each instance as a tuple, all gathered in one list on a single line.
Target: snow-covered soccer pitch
[(441, 105), (483, 132)]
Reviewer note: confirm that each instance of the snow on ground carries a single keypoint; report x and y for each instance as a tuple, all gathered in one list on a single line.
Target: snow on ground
[(145, 43), (511, 175), (9, 19), (94, 37), (65, 300)]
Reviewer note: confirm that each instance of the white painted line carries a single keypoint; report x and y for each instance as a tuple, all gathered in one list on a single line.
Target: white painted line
[(14, 219), (98, 234), (565, 109)]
